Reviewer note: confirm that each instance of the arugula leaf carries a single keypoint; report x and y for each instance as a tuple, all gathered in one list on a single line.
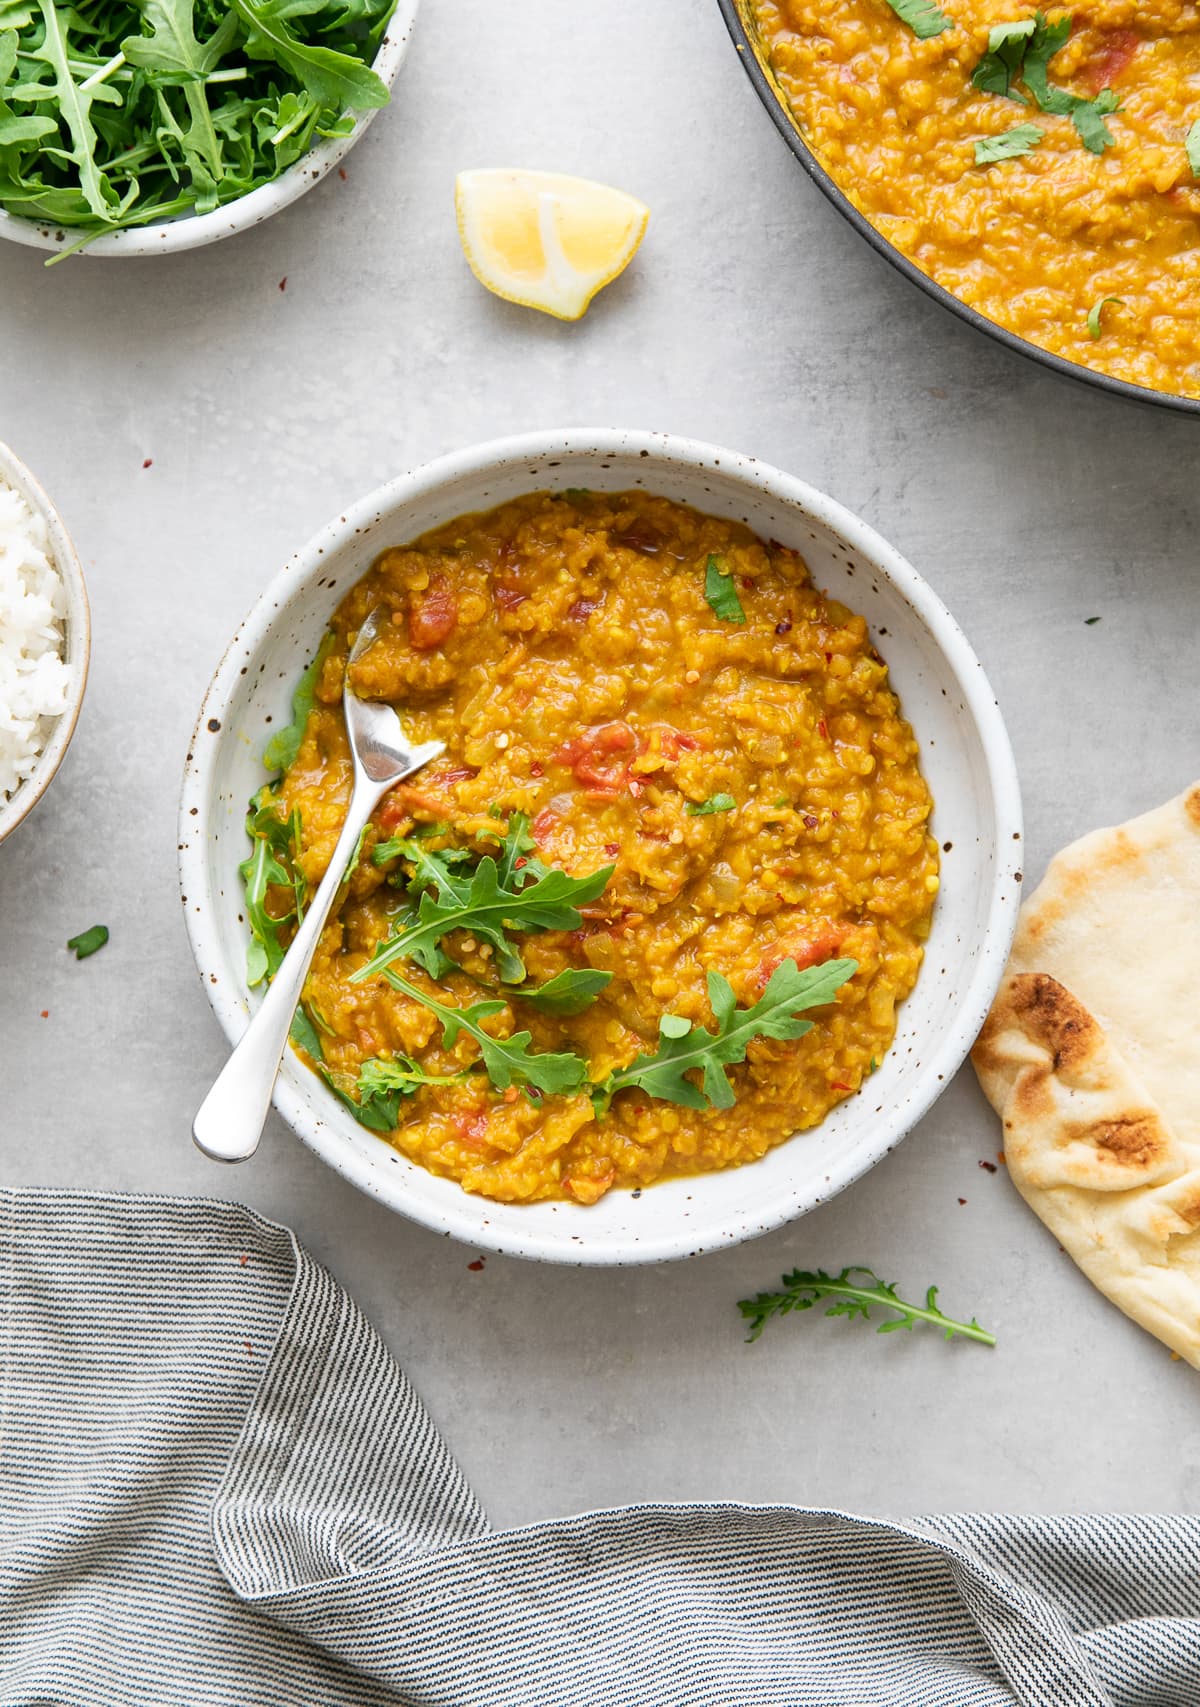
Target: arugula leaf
[(685, 1048), (333, 79), (273, 862), (281, 750), (714, 803), (89, 941), (721, 593), (1096, 310), (569, 992), (75, 104), (304, 1033), (856, 1291), (480, 902), (508, 1060), (1009, 146), (923, 17), (1192, 144)]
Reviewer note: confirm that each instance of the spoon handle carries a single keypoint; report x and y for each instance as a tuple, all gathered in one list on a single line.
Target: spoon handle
[(229, 1122)]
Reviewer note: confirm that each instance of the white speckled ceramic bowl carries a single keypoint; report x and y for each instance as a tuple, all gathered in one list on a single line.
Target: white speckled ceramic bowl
[(965, 753), (167, 237), (77, 634)]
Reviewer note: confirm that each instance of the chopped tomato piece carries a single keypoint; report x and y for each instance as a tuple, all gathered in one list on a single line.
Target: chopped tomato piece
[(1112, 61), (582, 609), (433, 616), (544, 824), (807, 948), (406, 797), (672, 741), (585, 1190), (472, 1129), (600, 756)]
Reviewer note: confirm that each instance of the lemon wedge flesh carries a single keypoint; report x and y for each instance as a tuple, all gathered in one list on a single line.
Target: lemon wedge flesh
[(544, 239)]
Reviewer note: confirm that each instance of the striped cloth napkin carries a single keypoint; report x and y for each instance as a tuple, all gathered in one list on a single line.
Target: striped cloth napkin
[(218, 1490)]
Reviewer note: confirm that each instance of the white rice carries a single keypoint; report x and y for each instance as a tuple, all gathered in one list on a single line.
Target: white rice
[(34, 678)]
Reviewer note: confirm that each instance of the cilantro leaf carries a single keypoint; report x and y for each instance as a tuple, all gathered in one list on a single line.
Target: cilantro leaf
[(1192, 144), (721, 593), (569, 992), (685, 1048), (923, 17), (281, 750), (1096, 310), (1009, 146), (508, 1060), (714, 803), (1001, 64), (856, 1291), (1088, 119), (1020, 53), (305, 1034), (89, 941)]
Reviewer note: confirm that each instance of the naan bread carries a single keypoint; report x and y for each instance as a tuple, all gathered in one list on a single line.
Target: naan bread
[(1091, 1057)]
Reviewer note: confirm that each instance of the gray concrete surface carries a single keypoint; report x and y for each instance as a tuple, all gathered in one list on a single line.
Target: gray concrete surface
[(753, 317)]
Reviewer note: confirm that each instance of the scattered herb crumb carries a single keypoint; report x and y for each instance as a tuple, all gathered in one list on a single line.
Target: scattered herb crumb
[(721, 593), (961, 1202), (283, 282), (1090, 621), (1096, 310), (476, 1265), (45, 1013), (988, 1167), (148, 463), (89, 941), (714, 803)]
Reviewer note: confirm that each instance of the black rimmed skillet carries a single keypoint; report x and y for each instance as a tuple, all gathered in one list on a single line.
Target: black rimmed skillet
[(739, 21)]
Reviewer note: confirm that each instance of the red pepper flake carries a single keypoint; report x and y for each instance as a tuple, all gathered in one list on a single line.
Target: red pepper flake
[(834, 1085), (811, 823), (45, 1013), (283, 282), (249, 1347), (1002, 1158), (829, 657), (476, 1266), (988, 1167), (243, 1261), (824, 729), (747, 583), (148, 463), (612, 849), (342, 173), (784, 627), (537, 769), (962, 1200)]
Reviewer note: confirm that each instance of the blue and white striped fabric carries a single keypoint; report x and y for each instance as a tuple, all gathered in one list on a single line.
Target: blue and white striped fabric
[(218, 1490)]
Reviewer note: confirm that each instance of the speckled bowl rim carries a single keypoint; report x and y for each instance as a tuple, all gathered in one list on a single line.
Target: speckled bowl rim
[(466, 1217), (171, 236), (78, 638), (739, 21)]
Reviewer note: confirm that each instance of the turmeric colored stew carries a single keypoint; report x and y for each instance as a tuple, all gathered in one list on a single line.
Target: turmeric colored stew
[(1044, 166), (679, 809)]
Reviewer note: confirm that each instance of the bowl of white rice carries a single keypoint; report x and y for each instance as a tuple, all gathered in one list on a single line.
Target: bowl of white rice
[(45, 636)]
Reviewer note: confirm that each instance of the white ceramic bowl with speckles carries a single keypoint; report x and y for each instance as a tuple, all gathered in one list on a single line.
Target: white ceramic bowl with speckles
[(169, 236), (77, 643), (965, 753)]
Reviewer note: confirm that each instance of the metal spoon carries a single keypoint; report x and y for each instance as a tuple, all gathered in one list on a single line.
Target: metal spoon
[(231, 1117)]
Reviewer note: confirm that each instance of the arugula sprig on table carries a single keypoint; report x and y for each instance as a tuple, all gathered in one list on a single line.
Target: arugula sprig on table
[(125, 111), (1017, 66), (856, 1291)]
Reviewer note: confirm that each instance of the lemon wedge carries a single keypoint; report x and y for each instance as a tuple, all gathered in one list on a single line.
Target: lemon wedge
[(546, 240)]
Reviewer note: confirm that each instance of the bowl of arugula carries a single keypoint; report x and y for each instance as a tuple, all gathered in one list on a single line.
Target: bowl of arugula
[(250, 713), (142, 127)]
